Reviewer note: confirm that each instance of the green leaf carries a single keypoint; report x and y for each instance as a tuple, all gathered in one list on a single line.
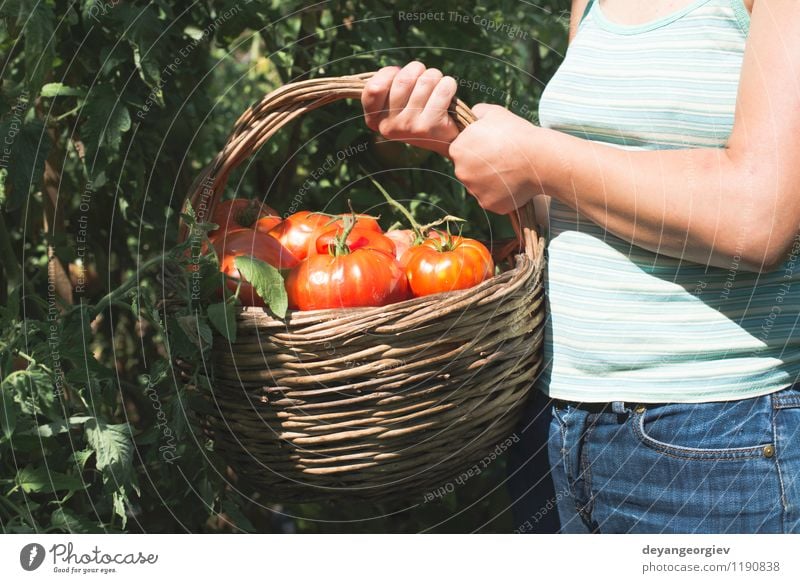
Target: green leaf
[(33, 390), (37, 20), (8, 414), (59, 426), (66, 520), (10, 311), (80, 457), (179, 342), (114, 449), (61, 90), (107, 118), (118, 499), (223, 317), (142, 29), (30, 145), (238, 518), (266, 281), (197, 330), (38, 480)]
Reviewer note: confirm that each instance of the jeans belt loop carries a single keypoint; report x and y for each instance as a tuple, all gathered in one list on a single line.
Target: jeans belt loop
[(619, 407)]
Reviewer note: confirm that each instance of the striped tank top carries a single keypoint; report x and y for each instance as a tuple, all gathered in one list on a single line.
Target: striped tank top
[(626, 324)]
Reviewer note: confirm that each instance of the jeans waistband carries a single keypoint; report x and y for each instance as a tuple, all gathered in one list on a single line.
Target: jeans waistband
[(781, 399)]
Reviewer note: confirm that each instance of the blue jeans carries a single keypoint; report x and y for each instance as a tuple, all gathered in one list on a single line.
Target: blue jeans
[(728, 467)]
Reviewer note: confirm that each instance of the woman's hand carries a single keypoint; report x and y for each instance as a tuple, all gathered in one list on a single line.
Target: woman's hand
[(410, 104), (493, 158)]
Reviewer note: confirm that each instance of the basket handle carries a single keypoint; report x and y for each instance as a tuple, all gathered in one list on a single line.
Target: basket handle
[(279, 108)]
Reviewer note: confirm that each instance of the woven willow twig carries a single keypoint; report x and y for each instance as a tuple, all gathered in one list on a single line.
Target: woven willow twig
[(368, 402)]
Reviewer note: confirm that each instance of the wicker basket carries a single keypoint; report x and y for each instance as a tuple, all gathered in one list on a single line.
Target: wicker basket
[(370, 402)]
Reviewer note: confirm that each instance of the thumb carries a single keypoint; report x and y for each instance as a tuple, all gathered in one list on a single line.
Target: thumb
[(482, 110)]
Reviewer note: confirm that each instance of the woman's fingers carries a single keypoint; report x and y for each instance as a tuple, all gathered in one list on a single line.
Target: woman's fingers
[(436, 112), (426, 83), (411, 104), (375, 96), (403, 85)]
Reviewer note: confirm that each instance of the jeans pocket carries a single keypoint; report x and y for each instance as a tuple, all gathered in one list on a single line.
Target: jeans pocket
[(729, 430)]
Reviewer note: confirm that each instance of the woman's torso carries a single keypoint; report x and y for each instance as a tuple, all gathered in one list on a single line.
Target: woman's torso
[(624, 323)]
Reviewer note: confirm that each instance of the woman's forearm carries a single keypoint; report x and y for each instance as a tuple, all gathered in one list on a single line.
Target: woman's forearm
[(702, 205)]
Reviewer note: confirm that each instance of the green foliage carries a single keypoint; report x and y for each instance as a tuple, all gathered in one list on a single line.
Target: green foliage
[(121, 104), (267, 281)]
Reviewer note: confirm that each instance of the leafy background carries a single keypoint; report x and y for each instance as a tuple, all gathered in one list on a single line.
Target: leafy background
[(108, 111)]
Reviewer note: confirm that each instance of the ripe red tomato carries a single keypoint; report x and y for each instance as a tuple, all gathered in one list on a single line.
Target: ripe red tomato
[(364, 277), (447, 264), (266, 223), (250, 243), (358, 238), (298, 232), (403, 240), (244, 212)]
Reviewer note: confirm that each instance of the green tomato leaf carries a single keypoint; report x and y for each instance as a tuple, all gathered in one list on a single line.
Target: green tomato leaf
[(9, 312), (38, 480), (267, 281), (66, 520), (59, 426), (33, 390), (38, 21), (29, 146), (114, 450), (196, 330), (223, 317), (61, 90), (107, 118), (141, 28), (8, 414), (80, 457), (118, 499)]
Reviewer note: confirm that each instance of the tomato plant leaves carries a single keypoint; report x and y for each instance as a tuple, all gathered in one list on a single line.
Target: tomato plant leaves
[(59, 426), (8, 414), (113, 449), (80, 457), (33, 390), (141, 29), (112, 445), (267, 281), (35, 480), (61, 90), (196, 330), (66, 520), (107, 118), (223, 317), (30, 145), (35, 22)]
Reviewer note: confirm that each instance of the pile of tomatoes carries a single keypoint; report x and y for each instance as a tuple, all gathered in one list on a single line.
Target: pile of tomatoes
[(342, 261)]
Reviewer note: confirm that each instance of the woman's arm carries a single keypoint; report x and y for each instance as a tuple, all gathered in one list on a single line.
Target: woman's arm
[(705, 205)]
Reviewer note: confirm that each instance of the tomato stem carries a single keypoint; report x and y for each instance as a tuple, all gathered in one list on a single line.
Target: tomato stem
[(419, 230), (340, 246), (447, 219)]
